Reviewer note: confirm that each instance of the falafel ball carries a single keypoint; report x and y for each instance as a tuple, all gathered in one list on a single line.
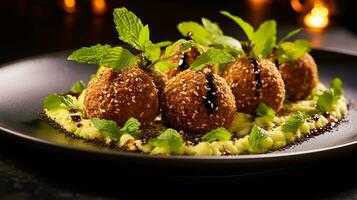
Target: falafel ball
[(254, 82), (183, 60), (197, 102), (159, 78), (120, 95), (300, 77)]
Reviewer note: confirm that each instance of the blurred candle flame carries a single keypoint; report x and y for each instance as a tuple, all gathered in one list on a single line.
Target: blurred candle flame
[(99, 7), (318, 17), (69, 6)]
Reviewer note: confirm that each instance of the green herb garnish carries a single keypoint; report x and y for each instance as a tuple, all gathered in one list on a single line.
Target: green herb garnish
[(111, 130), (52, 101), (294, 122), (211, 56), (265, 111), (289, 51), (219, 134), (77, 87), (330, 96), (170, 140), (256, 136)]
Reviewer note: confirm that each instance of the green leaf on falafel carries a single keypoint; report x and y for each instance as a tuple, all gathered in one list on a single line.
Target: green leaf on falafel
[(219, 134), (199, 33), (247, 28), (90, 55), (212, 27), (289, 51), (119, 58), (289, 35), (264, 39), (211, 56)]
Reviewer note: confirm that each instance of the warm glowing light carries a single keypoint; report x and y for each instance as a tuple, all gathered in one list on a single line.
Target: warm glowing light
[(69, 6), (318, 17), (259, 2), (98, 6), (296, 5)]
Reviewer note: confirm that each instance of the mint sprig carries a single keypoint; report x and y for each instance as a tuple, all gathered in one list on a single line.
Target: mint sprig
[(77, 87), (110, 129), (265, 111), (330, 96), (52, 101), (294, 122), (170, 140), (218, 134), (211, 56), (256, 136), (289, 51), (90, 55)]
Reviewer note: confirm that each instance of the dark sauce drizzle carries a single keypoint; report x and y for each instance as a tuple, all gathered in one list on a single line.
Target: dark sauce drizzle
[(183, 62), (211, 100), (258, 80), (76, 118)]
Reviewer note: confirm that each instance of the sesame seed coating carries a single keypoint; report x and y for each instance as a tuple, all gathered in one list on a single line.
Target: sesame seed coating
[(192, 116), (300, 77), (241, 77), (116, 96)]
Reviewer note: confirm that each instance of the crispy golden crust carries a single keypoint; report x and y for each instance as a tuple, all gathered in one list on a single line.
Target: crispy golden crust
[(300, 77), (183, 105), (241, 78), (119, 96), (159, 78), (188, 56)]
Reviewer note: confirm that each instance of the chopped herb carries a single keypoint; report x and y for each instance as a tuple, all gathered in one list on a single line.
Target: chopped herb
[(256, 136), (330, 96), (108, 128), (294, 122), (77, 87), (264, 110), (170, 140), (52, 101), (219, 134)]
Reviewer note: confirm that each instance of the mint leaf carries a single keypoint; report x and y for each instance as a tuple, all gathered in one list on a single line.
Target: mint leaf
[(131, 127), (169, 51), (164, 65), (90, 55), (294, 122), (129, 27), (228, 43), (211, 56), (247, 28), (264, 39), (108, 128), (170, 139), (212, 27), (220, 134), (54, 100), (264, 110), (289, 35), (144, 38), (326, 100), (153, 53), (119, 58), (77, 87), (289, 51), (200, 34), (336, 85), (256, 136)]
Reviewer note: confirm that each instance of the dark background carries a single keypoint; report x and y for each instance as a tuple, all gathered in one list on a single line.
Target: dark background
[(30, 27)]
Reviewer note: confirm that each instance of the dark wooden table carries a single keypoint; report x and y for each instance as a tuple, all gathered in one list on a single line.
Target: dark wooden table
[(30, 173)]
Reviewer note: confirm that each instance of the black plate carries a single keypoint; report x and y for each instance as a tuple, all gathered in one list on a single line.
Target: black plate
[(23, 84)]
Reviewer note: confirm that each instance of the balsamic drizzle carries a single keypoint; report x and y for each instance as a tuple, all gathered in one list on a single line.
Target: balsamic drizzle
[(258, 80), (183, 62), (211, 99), (76, 118)]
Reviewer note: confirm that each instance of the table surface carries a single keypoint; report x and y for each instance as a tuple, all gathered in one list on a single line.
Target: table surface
[(30, 173)]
